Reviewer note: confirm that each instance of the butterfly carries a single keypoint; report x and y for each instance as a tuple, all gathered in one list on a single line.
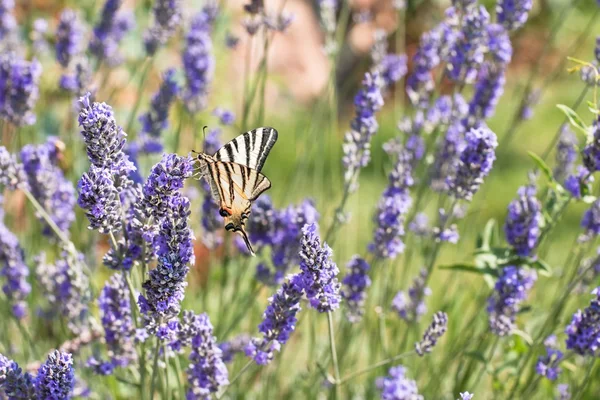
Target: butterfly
[(233, 173)]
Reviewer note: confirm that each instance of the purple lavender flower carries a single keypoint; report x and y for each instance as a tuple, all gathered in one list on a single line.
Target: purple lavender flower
[(319, 272), (66, 288), (488, 89), (499, 44), (444, 232), (165, 286), (357, 141), (531, 100), (433, 333), (547, 365), (591, 152), (566, 153), (475, 162), (115, 314), (512, 14), (104, 139), (156, 119), (397, 386), (466, 396), (198, 60), (207, 372), (511, 289), (14, 271), (576, 182), (231, 41), (468, 51), (234, 346), (109, 31), (392, 68), (447, 158), (279, 321), (167, 17), (5, 364), (69, 37), (48, 184), (587, 74), (591, 220), (392, 208), (8, 24), (100, 200), (563, 392), (78, 80), (19, 89), (226, 117), (18, 384), (56, 377), (583, 333), (354, 288), (522, 227), (420, 225), (12, 173), (411, 306)]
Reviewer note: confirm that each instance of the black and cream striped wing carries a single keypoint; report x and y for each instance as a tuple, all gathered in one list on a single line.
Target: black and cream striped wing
[(234, 182), (250, 149)]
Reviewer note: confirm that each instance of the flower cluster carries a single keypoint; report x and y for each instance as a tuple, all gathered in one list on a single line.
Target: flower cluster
[(583, 333), (207, 372), (433, 333), (392, 208), (475, 162), (547, 365), (591, 152), (198, 60), (66, 287), (8, 25), (56, 377), (397, 386), (167, 17), (410, 307), (319, 272), (512, 14), (99, 197), (511, 289), (354, 288), (109, 31), (591, 220), (69, 37), (19, 87), (576, 182), (234, 346), (488, 89), (12, 173), (523, 222)]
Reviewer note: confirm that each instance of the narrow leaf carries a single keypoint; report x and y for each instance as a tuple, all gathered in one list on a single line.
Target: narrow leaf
[(471, 268), (575, 120), (541, 164)]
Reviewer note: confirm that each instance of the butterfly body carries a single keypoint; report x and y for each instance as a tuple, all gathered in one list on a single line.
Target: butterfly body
[(233, 173)]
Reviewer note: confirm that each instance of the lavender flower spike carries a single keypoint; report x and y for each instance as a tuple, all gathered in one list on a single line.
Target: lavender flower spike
[(207, 372), (591, 152), (100, 200), (513, 13), (397, 386), (523, 223), (433, 333), (12, 173), (475, 162), (319, 272), (583, 333), (411, 308), (591, 220), (547, 366), (69, 37), (167, 16), (14, 272), (279, 321), (55, 378), (354, 288), (17, 383), (109, 31), (19, 87), (566, 153)]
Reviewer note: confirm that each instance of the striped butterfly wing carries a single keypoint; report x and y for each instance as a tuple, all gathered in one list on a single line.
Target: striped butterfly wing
[(250, 149), (235, 182)]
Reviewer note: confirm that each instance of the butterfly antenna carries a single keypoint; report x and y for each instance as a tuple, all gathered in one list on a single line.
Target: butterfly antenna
[(204, 136), (247, 241)]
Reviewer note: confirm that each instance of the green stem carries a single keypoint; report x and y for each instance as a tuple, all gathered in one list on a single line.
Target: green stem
[(178, 374), (166, 388), (374, 366), (27, 337), (154, 369), (334, 359), (61, 235), (586, 380), (235, 378), (138, 99)]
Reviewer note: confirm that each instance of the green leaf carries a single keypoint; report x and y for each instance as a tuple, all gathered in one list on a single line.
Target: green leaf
[(489, 233), (471, 268), (541, 165), (477, 356), (593, 108), (575, 120), (524, 335), (542, 266)]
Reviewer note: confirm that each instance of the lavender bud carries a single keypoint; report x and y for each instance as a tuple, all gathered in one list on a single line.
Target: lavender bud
[(167, 17), (14, 272), (547, 366), (69, 37), (583, 333), (433, 333), (397, 386), (19, 89), (12, 173), (354, 288), (100, 200), (56, 377), (591, 220), (410, 308), (523, 222)]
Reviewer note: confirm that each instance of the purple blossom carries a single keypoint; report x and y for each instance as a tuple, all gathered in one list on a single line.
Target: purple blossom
[(583, 333), (66, 288), (392, 68), (357, 141), (563, 392), (587, 73), (444, 232), (56, 377), (12, 173), (234, 346), (499, 45), (512, 288), (109, 31), (17, 383), (198, 60), (397, 386), (488, 90), (522, 227), (566, 153), (207, 372), (48, 184), (155, 121), (166, 284), (116, 318), (447, 158), (433, 333), (78, 80), (392, 208), (8, 24), (591, 152), (14, 272), (531, 100), (19, 89), (69, 37), (167, 17), (354, 288), (591, 220), (475, 163), (319, 272), (410, 305), (547, 365), (226, 117), (279, 321), (576, 182), (512, 14), (466, 396), (99, 197)]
